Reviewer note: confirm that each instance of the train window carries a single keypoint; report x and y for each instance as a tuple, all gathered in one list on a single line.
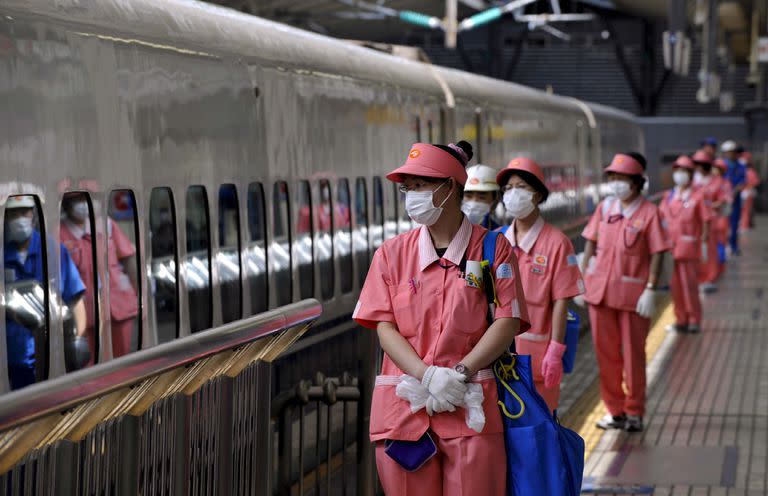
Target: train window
[(324, 227), (228, 258), (417, 128), (75, 232), (377, 227), (26, 290), (197, 265), (303, 244), (163, 263), (343, 220), (390, 209), (430, 131), (280, 247), (360, 234), (123, 272), (256, 253)]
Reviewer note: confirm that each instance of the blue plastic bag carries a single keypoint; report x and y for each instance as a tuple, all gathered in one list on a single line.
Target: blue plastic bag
[(543, 457), (571, 341)]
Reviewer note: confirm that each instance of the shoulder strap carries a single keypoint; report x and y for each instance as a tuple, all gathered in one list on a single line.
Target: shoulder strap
[(489, 246)]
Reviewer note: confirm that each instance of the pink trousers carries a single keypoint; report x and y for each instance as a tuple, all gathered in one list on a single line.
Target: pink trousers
[(463, 466), (122, 331), (685, 292), (619, 340), (746, 212)]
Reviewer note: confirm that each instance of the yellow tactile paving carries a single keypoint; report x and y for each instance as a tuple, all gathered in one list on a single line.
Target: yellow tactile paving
[(588, 409)]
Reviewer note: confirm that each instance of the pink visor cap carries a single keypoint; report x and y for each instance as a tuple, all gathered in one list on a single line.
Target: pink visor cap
[(429, 161), (522, 164), (684, 162), (624, 164)]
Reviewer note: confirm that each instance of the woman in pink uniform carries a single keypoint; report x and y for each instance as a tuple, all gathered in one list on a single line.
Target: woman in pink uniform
[(749, 193), (626, 233), (76, 235), (686, 217), (548, 270), (423, 298), (710, 187)]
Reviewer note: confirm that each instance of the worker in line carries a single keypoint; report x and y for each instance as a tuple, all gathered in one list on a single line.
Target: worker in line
[(424, 296), (481, 194), (686, 217), (737, 176), (709, 146), (626, 233), (23, 261), (548, 269), (711, 187), (723, 215), (749, 193)]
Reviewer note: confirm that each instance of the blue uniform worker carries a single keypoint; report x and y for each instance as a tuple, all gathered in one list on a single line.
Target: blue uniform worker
[(23, 260), (737, 175)]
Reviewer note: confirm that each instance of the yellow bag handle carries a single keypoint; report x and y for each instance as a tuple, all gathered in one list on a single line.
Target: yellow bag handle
[(503, 374)]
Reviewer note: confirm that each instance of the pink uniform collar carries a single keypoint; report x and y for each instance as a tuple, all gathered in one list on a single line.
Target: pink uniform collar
[(630, 210), (683, 196), (455, 251), (526, 244)]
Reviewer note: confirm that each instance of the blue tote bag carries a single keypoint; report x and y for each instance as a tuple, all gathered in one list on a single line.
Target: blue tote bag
[(571, 341), (543, 457)]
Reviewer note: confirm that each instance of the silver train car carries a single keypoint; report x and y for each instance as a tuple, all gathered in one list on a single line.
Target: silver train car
[(245, 159)]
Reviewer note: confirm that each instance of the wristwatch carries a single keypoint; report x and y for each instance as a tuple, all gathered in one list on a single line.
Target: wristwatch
[(462, 369)]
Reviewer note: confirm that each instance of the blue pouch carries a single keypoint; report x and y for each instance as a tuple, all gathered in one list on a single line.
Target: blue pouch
[(571, 341), (721, 255), (411, 455), (543, 457)]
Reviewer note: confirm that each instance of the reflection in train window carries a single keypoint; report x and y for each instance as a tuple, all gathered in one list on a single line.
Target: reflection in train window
[(360, 234), (417, 128), (280, 246), (75, 232), (163, 265), (123, 268), (303, 243), (430, 131), (256, 252), (390, 209), (343, 224), (377, 225), (324, 227), (197, 264), (228, 258), (26, 291)]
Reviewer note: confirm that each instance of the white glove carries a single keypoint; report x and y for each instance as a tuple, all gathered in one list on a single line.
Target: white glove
[(473, 404), (646, 305), (435, 405), (579, 300), (704, 252), (445, 384), (411, 390)]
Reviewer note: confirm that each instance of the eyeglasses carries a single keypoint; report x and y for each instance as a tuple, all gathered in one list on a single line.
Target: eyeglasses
[(418, 187)]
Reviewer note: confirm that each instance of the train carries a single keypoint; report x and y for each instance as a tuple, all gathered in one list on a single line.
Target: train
[(245, 159)]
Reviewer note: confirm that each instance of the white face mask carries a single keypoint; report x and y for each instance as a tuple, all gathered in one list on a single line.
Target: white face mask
[(681, 177), (420, 207), (18, 230), (519, 202), (620, 189), (79, 211), (699, 178), (475, 210)]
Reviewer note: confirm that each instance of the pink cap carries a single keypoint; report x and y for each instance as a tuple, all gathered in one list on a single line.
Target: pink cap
[(429, 161), (703, 157), (720, 164), (684, 162), (522, 164), (624, 164)]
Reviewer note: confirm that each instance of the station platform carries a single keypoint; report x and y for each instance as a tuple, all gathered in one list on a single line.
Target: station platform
[(706, 426)]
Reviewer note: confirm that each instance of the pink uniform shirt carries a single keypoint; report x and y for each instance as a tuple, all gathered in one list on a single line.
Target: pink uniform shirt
[(440, 314), (684, 214), (626, 239), (122, 296), (549, 272)]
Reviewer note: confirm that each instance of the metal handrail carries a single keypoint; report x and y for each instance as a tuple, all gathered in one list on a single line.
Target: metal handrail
[(68, 390)]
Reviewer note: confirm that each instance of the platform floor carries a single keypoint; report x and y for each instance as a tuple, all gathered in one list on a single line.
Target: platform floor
[(707, 419)]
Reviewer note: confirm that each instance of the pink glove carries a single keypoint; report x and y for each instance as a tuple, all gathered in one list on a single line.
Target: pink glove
[(552, 365)]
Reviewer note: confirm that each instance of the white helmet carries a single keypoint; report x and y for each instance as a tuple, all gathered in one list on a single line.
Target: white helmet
[(23, 201), (728, 146), (481, 178)]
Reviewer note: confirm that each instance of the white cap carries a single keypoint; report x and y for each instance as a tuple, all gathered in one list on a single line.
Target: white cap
[(481, 178), (728, 146), (23, 201)]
